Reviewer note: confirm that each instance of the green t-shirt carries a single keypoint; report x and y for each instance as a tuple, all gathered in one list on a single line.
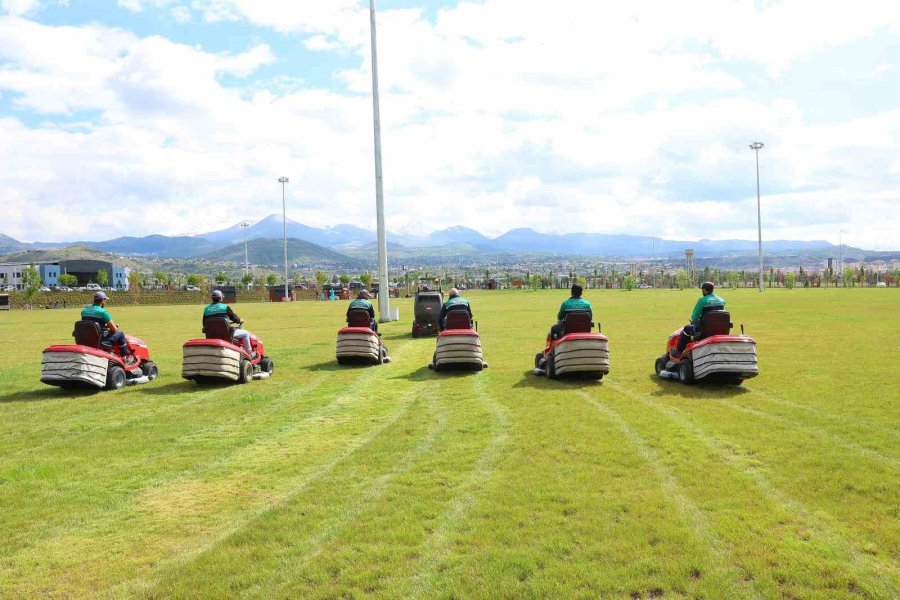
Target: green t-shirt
[(703, 302), (573, 304), (361, 303), (456, 300), (216, 308), (97, 312)]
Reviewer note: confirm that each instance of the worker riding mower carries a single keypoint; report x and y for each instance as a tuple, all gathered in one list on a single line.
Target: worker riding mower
[(219, 358), (459, 345), (92, 363), (358, 343), (578, 352), (426, 310), (712, 356)]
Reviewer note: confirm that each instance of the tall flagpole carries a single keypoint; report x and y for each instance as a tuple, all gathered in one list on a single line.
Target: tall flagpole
[(384, 292)]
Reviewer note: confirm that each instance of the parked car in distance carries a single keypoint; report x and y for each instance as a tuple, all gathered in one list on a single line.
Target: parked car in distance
[(93, 287), (43, 289), (191, 288)]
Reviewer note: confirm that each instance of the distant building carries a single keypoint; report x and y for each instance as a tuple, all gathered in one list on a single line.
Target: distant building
[(11, 275), (49, 273), (86, 272)]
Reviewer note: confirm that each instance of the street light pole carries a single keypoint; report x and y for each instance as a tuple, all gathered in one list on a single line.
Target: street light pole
[(756, 146), (284, 180), (244, 226), (384, 292)]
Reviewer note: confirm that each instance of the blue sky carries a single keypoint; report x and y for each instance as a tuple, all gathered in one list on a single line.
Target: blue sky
[(132, 117)]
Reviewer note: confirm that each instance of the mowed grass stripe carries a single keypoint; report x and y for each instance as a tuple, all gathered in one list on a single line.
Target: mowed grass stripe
[(210, 495), (177, 456), (286, 540), (851, 487), (388, 541), (467, 493), (796, 535), (826, 435), (725, 571)]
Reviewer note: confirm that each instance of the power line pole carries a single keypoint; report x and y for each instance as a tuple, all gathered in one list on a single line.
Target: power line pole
[(384, 292), (756, 147), (283, 181)]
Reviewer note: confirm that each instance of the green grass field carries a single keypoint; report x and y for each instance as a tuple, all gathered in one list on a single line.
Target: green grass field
[(394, 481)]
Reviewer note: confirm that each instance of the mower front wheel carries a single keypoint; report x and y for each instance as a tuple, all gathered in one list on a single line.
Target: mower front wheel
[(660, 365), (267, 365), (686, 371), (115, 377), (150, 370), (245, 373)]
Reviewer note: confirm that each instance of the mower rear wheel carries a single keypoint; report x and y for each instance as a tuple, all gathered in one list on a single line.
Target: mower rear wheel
[(115, 377), (245, 371), (551, 367), (686, 371), (660, 365)]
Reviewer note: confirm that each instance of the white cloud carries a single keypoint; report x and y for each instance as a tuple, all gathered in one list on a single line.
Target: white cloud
[(622, 117), (20, 7)]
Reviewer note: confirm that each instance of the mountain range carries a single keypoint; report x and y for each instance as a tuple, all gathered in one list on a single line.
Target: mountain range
[(349, 244)]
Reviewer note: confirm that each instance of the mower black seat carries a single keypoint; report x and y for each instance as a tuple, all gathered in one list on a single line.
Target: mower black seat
[(88, 333), (458, 319), (578, 321), (359, 317), (715, 322), (217, 329)]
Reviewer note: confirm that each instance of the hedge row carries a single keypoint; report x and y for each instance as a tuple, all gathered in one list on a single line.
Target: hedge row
[(18, 300)]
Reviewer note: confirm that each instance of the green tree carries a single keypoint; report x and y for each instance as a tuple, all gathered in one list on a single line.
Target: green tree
[(790, 280), (102, 278), (162, 278), (247, 278), (534, 281), (135, 281), (849, 276), (321, 279), (366, 280), (344, 279), (31, 279), (733, 278), (221, 278), (628, 283), (271, 279), (194, 279), (68, 280), (682, 279)]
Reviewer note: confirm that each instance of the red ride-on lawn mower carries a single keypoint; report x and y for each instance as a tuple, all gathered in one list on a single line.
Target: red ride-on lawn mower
[(218, 358), (426, 310), (358, 343), (92, 363), (714, 355), (577, 353), (459, 345)]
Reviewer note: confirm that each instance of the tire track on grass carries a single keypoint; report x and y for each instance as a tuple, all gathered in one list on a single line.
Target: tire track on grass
[(840, 420), (723, 562), (316, 543), (119, 510), (190, 553), (813, 430), (459, 506), (825, 527)]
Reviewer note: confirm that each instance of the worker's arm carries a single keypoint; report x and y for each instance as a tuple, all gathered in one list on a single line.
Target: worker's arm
[(698, 310), (562, 312), (111, 326), (233, 316)]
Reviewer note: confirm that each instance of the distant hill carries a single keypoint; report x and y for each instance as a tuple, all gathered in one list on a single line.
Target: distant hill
[(270, 252), (157, 245), (7, 244), (273, 227)]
